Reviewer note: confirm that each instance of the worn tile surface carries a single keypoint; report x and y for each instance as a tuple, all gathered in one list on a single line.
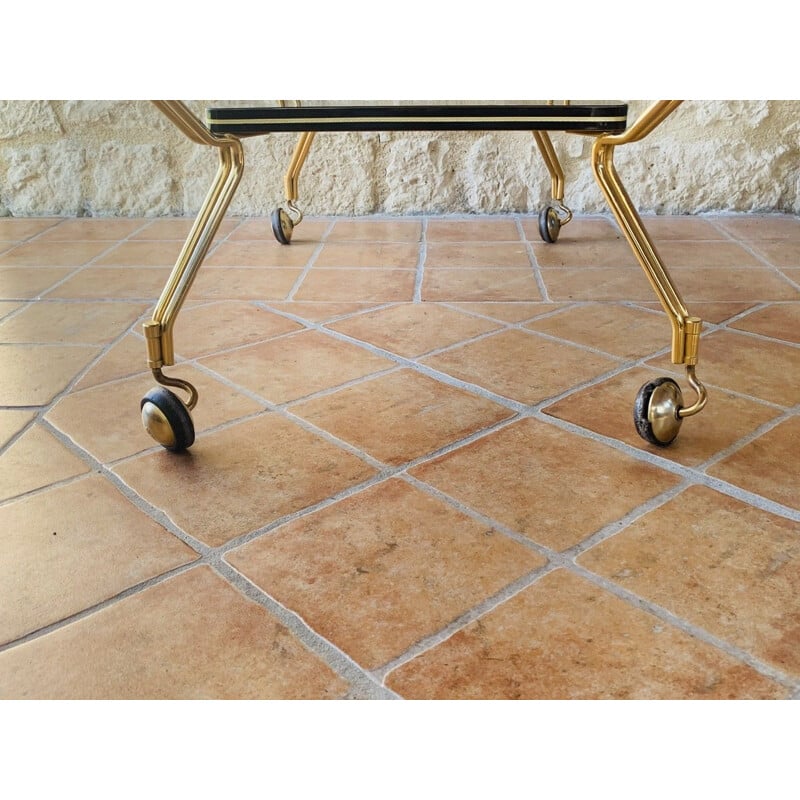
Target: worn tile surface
[(729, 568), (382, 570), (416, 472), (193, 637), (555, 488), (565, 639), (75, 546)]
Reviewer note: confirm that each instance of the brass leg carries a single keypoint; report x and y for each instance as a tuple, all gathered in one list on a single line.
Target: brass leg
[(158, 331), (685, 329), (284, 223), (556, 214)]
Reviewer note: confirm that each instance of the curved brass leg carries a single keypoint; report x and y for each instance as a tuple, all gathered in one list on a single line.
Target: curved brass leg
[(166, 417), (657, 396), (550, 158), (686, 330), (284, 222)]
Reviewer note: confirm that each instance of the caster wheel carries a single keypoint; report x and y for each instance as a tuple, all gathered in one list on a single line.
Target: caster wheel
[(549, 225), (167, 420), (655, 412), (282, 226)]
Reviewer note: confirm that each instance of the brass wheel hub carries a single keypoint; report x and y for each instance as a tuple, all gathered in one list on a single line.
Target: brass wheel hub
[(662, 414), (157, 425)]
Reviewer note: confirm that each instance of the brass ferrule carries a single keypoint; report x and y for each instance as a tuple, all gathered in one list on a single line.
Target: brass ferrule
[(291, 187), (693, 327), (152, 335)]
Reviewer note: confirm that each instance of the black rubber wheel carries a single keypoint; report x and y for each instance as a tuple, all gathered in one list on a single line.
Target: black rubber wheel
[(167, 420), (668, 423), (549, 225), (282, 226)]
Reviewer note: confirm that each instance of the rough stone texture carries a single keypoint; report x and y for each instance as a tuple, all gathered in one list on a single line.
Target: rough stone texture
[(43, 179), (73, 157), (19, 118)]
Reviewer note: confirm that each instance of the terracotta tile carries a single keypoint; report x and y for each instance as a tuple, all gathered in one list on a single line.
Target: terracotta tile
[(759, 368), (611, 253), (490, 284), (7, 307), (753, 226), (117, 283), (11, 422), (72, 547), (243, 477), (53, 254), (768, 466), (618, 330), (142, 254), (191, 637), (472, 230), (694, 285), (260, 254), (364, 285), (554, 487), (792, 275), (92, 229), (260, 228), (77, 323), (509, 311), (17, 282), (607, 409), (779, 252), (375, 230), (381, 570), (179, 227), (477, 254), (127, 357), (612, 283), (411, 329), (36, 459), (732, 284), (778, 321), (579, 229), (521, 366), (245, 283), (106, 421), (428, 413), (676, 254), (34, 374), (564, 638), (684, 228), (320, 311), (295, 366), (219, 326), (724, 566), (17, 228), (715, 313), (368, 254)]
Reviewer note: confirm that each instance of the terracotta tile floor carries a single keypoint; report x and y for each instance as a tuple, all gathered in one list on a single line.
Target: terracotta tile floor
[(416, 473)]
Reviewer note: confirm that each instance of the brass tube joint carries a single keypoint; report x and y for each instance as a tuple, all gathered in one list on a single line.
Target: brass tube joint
[(152, 335)]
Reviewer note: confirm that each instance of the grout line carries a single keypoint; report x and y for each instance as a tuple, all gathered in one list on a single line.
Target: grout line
[(535, 267), (423, 254), (688, 627), (100, 606), (483, 608), (304, 271), (360, 680)]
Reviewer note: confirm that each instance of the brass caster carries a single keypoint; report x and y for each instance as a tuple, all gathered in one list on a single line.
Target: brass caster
[(282, 226), (167, 420), (656, 412), (549, 225)]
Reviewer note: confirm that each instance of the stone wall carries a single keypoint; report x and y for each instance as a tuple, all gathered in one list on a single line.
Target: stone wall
[(102, 158)]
